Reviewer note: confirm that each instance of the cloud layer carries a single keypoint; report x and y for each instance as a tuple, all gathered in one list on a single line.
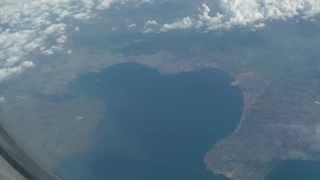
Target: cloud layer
[(244, 13), (29, 27)]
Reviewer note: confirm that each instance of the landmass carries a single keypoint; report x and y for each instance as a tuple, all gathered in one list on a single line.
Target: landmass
[(275, 69), (280, 122)]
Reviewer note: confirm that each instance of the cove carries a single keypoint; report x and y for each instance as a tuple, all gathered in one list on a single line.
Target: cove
[(156, 126)]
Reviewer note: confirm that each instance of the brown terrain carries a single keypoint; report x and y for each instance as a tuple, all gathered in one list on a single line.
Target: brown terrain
[(280, 121)]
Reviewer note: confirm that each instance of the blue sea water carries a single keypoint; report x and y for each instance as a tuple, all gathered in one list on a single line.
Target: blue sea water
[(160, 126), (296, 170), (156, 126)]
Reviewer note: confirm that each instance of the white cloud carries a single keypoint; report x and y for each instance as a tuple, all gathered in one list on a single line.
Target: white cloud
[(30, 27), (27, 26), (17, 69), (184, 23), (132, 26), (247, 13), (150, 26), (105, 4), (39, 26), (151, 23)]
